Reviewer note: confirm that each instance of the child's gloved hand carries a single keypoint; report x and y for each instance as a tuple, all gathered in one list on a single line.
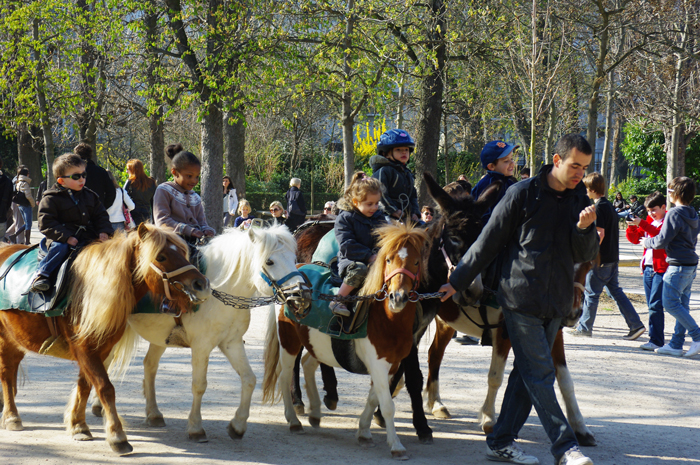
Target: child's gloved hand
[(209, 233), (103, 237), (197, 233)]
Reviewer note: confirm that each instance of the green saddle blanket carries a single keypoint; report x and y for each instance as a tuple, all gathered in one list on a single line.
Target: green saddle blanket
[(14, 287), (320, 316), (327, 249)]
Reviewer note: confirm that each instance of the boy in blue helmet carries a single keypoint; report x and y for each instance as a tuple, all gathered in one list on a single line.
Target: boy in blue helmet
[(400, 199), (497, 160)]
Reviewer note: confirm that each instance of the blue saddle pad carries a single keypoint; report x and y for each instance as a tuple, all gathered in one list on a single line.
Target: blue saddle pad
[(15, 286), (327, 249)]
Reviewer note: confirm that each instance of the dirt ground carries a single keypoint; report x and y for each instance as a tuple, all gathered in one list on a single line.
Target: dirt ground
[(643, 408)]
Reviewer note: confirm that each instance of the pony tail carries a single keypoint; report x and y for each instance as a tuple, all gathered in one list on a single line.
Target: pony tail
[(271, 357), (362, 185)]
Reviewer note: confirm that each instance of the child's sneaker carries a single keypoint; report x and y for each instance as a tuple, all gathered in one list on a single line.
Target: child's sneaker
[(339, 308), (40, 284), (668, 350), (574, 456), (511, 453), (649, 346), (694, 349)]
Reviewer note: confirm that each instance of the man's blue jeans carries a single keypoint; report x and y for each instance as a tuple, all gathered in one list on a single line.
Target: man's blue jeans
[(677, 282), (531, 382), (606, 275), (56, 255), (653, 288)]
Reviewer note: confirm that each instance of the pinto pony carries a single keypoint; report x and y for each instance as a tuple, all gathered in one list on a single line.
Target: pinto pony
[(108, 278), (398, 269)]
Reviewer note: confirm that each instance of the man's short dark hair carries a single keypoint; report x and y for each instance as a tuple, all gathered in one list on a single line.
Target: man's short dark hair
[(655, 199), (572, 141), (633, 197), (83, 150), (525, 171), (595, 182), (683, 189)]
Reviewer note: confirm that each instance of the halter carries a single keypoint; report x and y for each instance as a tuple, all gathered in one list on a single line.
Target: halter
[(415, 277), (165, 276), (283, 293), (450, 266)]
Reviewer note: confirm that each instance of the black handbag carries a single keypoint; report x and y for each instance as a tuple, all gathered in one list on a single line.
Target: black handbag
[(20, 199)]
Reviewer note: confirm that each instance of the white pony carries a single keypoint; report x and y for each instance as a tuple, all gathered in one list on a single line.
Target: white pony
[(235, 262)]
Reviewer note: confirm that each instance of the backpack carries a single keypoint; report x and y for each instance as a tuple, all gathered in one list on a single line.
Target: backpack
[(19, 198)]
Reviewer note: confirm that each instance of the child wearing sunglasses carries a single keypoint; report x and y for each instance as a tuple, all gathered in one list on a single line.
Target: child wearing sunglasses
[(277, 212), (70, 216)]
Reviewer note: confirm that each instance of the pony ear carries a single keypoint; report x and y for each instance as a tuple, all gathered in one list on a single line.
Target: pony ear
[(489, 196), (143, 231), (251, 234), (438, 194)]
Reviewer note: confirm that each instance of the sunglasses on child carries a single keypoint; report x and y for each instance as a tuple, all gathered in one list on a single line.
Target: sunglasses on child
[(76, 176)]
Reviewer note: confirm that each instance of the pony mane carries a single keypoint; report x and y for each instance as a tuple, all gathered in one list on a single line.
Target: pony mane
[(392, 238), (102, 286), (236, 254)]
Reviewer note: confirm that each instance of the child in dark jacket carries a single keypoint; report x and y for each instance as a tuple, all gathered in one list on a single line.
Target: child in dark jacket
[(679, 236), (497, 160), (70, 215), (399, 200), (358, 217)]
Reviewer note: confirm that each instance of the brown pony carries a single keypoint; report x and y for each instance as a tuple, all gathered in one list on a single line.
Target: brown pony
[(400, 264), (469, 321), (108, 278)]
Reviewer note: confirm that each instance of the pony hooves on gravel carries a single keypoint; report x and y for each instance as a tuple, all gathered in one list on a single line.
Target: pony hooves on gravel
[(97, 410), (299, 409), (121, 448), (315, 422), (442, 413), (586, 440), (82, 436), (233, 434), (367, 443), (426, 439), (13, 424), (155, 422), (399, 455), (199, 437), (331, 404), (297, 429)]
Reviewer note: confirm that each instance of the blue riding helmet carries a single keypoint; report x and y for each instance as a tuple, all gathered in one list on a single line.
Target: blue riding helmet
[(394, 138)]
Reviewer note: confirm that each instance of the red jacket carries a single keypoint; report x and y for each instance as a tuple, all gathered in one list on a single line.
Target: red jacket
[(636, 233)]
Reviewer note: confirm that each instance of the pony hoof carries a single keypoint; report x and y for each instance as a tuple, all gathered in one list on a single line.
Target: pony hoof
[(97, 411), (399, 455), (315, 422), (426, 438), (367, 443), (487, 428), (198, 437), (155, 422), (442, 413), (379, 420), (331, 404), (82, 436), (299, 409), (233, 434), (297, 429), (586, 440), (121, 448), (14, 424)]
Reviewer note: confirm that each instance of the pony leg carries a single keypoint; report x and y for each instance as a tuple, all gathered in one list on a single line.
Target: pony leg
[(74, 417), (310, 366), (10, 357), (414, 385), (566, 387), (96, 404), (200, 363), (95, 371), (443, 336), (235, 353), (296, 388), (394, 389), (499, 355), (380, 380), (151, 361), (330, 385), (363, 435), (285, 378)]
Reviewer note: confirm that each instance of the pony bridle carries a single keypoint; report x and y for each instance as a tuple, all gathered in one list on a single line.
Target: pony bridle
[(166, 276), (412, 294), (297, 294), (450, 266)]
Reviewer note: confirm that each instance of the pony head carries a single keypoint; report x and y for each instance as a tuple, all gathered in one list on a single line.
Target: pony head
[(400, 265), (580, 272)]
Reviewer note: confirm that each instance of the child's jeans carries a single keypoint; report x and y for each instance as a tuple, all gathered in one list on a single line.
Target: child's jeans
[(653, 288), (676, 298), (55, 256)]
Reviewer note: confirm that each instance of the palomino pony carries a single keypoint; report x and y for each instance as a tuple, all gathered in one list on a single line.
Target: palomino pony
[(108, 278), (240, 263), (468, 320), (399, 267)]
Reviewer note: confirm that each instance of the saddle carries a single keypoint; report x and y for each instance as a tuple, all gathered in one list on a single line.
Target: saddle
[(323, 277)]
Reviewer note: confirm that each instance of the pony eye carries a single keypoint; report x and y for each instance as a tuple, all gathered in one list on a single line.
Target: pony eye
[(388, 260), (160, 258), (269, 262), (417, 262)]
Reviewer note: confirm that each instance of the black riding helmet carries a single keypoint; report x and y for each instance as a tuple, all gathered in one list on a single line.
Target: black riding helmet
[(394, 138)]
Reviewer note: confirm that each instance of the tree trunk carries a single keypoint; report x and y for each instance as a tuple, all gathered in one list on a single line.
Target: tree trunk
[(155, 120), (399, 112), (212, 166), (615, 156), (348, 119), (549, 139), (40, 84), (430, 112), (598, 79), (28, 155), (604, 170), (156, 138), (234, 137)]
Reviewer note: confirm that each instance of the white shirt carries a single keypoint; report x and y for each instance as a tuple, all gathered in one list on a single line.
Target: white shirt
[(116, 215)]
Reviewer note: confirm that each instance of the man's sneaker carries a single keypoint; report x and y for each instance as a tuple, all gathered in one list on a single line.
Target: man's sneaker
[(511, 454), (694, 349), (339, 308), (668, 350), (649, 346), (574, 456), (40, 284), (580, 332), (634, 333)]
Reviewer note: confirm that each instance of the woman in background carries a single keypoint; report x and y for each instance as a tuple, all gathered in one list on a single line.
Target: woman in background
[(141, 189)]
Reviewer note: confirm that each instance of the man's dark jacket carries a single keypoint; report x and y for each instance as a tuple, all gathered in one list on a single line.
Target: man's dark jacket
[(399, 183), (98, 181), (353, 231), (60, 217), (5, 196), (534, 228)]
